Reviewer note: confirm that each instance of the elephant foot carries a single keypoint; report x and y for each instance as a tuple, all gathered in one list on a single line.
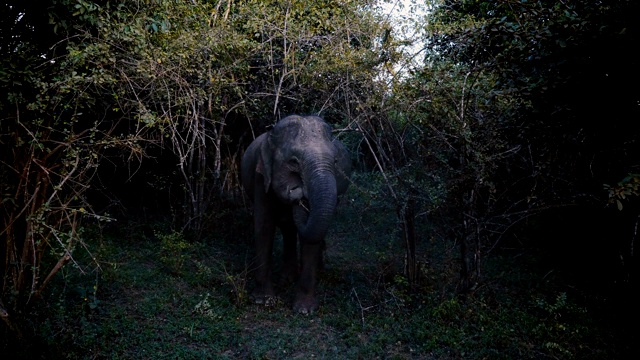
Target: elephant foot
[(305, 304), (266, 300), (264, 297)]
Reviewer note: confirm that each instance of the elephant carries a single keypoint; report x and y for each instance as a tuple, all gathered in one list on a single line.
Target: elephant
[(293, 175)]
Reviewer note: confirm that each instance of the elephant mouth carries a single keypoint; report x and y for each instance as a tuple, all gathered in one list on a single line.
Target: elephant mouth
[(295, 194)]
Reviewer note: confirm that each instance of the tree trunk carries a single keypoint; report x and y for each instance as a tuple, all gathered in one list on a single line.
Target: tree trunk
[(469, 246), (406, 214)]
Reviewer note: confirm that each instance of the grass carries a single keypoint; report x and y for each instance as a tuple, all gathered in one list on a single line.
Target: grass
[(145, 303)]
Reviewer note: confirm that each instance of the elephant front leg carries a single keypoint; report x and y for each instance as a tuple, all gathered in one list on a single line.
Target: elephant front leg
[(306, 301)]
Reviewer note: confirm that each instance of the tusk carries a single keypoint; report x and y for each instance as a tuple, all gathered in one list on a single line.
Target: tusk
[(301, 203)]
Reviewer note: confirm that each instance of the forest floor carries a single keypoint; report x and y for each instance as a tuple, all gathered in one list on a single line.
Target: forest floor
[(158, 295)]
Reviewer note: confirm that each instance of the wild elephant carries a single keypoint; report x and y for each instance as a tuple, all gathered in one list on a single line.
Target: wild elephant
[(293, 174)]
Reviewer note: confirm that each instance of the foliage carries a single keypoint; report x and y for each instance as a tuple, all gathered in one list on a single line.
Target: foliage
[(558, 322), (89, 83), (201, 79), (627, 187), (496, 115), (439, 142), (568, 68), (53, 134), (174, 250)]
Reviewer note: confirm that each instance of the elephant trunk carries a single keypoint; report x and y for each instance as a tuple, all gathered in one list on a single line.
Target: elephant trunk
[(313, 223)]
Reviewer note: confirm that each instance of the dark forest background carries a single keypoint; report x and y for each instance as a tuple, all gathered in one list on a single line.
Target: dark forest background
[(513, 128)]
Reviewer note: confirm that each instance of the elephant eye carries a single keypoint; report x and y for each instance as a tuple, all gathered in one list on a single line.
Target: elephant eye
[(294, 162)]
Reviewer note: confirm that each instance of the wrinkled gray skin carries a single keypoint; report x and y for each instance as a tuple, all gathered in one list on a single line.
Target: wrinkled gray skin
[(293, 174)]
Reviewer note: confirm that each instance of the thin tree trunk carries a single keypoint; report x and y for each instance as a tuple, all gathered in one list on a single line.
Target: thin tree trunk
[(469, 246), (406, 214)]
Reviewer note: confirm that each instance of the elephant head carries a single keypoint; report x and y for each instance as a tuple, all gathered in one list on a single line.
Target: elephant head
[(306, 168)]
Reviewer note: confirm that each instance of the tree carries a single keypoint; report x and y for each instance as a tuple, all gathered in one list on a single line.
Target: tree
[(533, 80), (53, 133)]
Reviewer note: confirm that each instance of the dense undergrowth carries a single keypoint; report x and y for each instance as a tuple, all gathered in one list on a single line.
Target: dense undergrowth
[(160, 295)]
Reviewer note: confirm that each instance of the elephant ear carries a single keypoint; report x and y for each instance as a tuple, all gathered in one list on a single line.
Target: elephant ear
[(264, 164)]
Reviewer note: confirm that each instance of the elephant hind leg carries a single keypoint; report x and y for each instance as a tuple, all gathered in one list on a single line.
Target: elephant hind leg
[(263, 293), (305, 304), (263, 298)]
